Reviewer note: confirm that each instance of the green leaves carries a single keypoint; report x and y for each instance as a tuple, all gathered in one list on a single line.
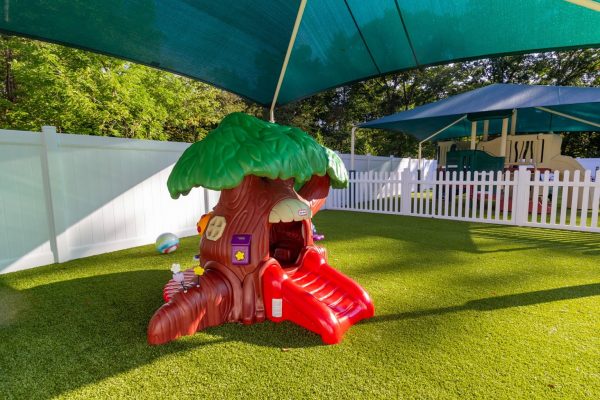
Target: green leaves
[(244, 145), (83, 92), (336, 170)]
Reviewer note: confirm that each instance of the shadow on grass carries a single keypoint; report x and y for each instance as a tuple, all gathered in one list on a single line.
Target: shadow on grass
[(500, 302), (412, 235), (581, 242), (444, 235), (65, 335)]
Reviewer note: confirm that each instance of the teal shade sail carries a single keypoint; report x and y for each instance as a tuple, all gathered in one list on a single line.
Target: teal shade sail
[(239, 45), (534, 105)]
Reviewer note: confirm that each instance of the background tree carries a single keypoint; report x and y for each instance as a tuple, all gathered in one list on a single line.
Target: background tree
[(83, 92), (333, 113)]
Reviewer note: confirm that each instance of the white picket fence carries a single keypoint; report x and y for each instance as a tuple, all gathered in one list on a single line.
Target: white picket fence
[(520, 198)]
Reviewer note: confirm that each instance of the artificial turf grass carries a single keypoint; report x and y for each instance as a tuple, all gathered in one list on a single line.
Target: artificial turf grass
[(462, 311)]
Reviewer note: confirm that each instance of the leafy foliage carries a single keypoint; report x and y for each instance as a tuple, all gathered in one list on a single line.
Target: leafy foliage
[(245, 145), (83, 92)]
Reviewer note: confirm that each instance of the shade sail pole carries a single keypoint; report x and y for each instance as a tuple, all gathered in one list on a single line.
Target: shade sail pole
[(473, 135), (592, 5), (287, 58), (503, 139), (437, 133), (352, 143), (513, 123), (597, 125), (486, 130)]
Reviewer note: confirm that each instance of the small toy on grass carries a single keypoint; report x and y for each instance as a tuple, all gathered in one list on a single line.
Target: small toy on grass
[(167, 243), (316, 235)]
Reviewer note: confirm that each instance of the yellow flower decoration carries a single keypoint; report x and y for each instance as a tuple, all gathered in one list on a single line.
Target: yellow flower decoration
[(199, 271)]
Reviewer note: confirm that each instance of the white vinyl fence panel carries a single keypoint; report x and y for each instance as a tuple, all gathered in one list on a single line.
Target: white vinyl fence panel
[(24, 220), (388, 165), (68, 196), (549, 200), (391, 164)]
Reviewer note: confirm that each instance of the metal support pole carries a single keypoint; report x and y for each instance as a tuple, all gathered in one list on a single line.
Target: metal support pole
[(503, 140), (352, 172), (591, 4), (420, 151), (597, 125), (287, 59), (437, 133), (513, 123), (486, 130), (352, 144), (473, 135), (419, 165)]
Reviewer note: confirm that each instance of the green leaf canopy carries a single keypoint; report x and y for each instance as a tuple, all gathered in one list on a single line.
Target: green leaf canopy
[(244, 145)]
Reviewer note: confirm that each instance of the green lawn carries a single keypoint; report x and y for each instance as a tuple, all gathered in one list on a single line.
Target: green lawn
[(462, 311)]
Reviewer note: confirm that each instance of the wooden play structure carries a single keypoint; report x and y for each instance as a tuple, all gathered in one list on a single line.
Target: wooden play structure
[(521, 118), (539, 151)]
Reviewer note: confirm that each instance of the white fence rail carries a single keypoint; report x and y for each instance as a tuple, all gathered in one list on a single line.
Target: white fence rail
[(391, 164), (68, 196), (520, 198)]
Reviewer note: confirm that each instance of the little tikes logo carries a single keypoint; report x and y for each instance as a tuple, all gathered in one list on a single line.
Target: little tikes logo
[(302, 213)]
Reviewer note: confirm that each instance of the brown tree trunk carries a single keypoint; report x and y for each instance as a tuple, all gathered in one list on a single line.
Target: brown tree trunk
[(229, 290), (246, 211), (9, 78), (189, 311)]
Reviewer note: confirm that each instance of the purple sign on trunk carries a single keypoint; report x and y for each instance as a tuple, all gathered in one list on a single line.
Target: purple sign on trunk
[(240, 249)]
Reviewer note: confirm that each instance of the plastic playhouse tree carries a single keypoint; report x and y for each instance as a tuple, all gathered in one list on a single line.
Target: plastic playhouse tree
[(258, 242)]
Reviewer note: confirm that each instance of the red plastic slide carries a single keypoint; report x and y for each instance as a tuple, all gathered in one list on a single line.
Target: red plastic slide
[(315, 296)]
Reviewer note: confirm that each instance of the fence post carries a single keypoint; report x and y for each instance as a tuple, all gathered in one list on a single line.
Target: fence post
[(370, 185), (521, 200), (351, 189), (55, 194), (405, 192), (206, 200)]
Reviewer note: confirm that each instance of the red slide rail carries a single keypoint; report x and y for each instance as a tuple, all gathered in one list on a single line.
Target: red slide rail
[(314, 296)]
